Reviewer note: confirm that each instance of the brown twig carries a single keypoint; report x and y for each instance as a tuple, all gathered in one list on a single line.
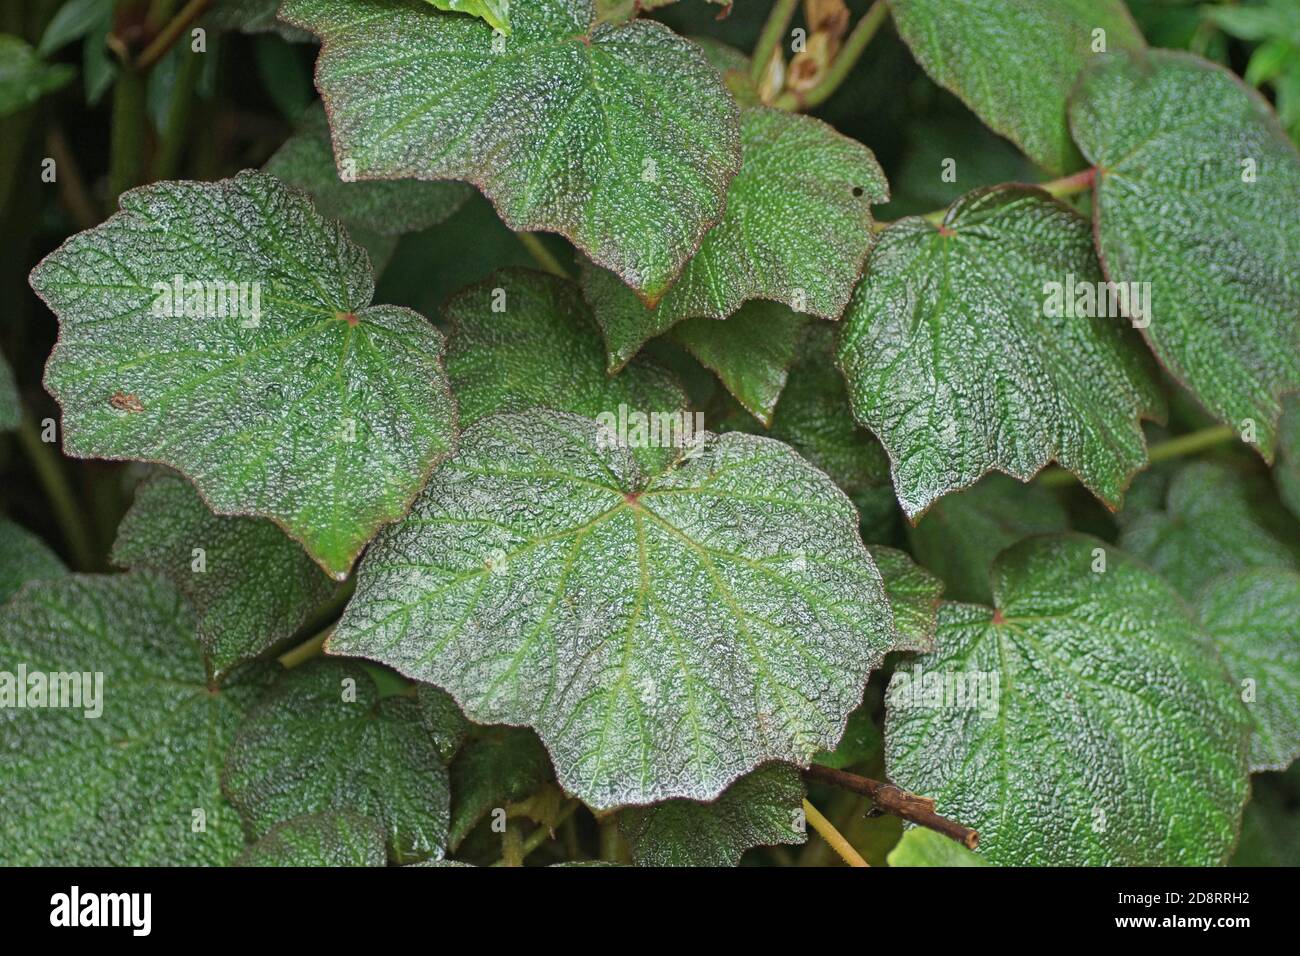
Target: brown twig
[(170, 33), (896, 801)]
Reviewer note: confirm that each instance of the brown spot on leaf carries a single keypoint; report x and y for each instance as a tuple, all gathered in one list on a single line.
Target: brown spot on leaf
[(126, 403), (349, 317)]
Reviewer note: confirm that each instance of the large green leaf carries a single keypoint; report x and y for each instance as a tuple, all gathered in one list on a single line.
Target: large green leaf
[(796, 231), (138, 783), (663, 634), (499, 766), (1015, 63), (521, 339), (323, 739), (1254, 617), (249, 585), (24, 557), (763, 808), (1096, 727), (11, 408), (961, 534), (1215, 520), (1197, 191), (302, 403), (921, 847), (622, 138), (390, 207), (332, 838), (751, 352), (25, 77), (953, 362)]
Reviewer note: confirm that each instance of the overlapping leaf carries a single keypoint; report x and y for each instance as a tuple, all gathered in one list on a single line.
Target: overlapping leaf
[(136, 784), (762, 808), (1015, 63), (499, 766), (953, 361), (269, 380), (622, 138), (1095, 725), (796, 231), (24, 557), (663, 634), (921, 847), (913, 594), (495, 12), (1254, 619), (250, 586), (332, 838), (323, 739), (1196, 194)]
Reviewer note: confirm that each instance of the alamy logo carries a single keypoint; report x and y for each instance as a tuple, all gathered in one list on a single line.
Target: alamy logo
[(945, 690), (103, 909), (628, 428), (184, 298), (1098, 300), (70, 690)]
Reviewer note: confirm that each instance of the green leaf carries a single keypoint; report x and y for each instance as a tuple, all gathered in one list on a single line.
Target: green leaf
[(763, 808), (130, 786), (249, 585), (25, 77), (497, 767), (1215, 520), (323, 739), (24, 557), (521, 339), (11, 406), (750, 352), (332, 838), (253, 16), (622, 139), (1254, 618), (72, 21), (664, 635), (1014, 64), (921, 847), (913, 594), (495, 12), (1096, 726), (1174, 136), (390, 208), (953, 362), (797, 231), (303, 404), (1286, 473), (443, 720), (961, 534)]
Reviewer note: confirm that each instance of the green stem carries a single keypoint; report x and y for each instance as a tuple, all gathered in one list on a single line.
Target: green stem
[(611, 841), (126, 149), (167, 161), (843, 64), (778, 21), (541, 834), (1188, 444), (306, 650), (1069, 185), (533, 243), (59, 491), (512, 845)]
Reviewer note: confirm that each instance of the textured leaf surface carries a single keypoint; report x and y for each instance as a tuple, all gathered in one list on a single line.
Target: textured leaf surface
[(495, 12), (390, 208), (542, 349), (663, 634), (314, 409), (621, 138), (120, 789), (498, 767), (443, 720), (1172, 135), (796, 231), (319, 839), (751, 352), (323, 739), (1014, 64), (952, 363), (252, 587), (24, 557), (25, 77), (11, 410), (1286, 473), (1215, 520), (760, 809), (913, 594), (921, 847), (961, 535), (1117, 737), (1254, 618)]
